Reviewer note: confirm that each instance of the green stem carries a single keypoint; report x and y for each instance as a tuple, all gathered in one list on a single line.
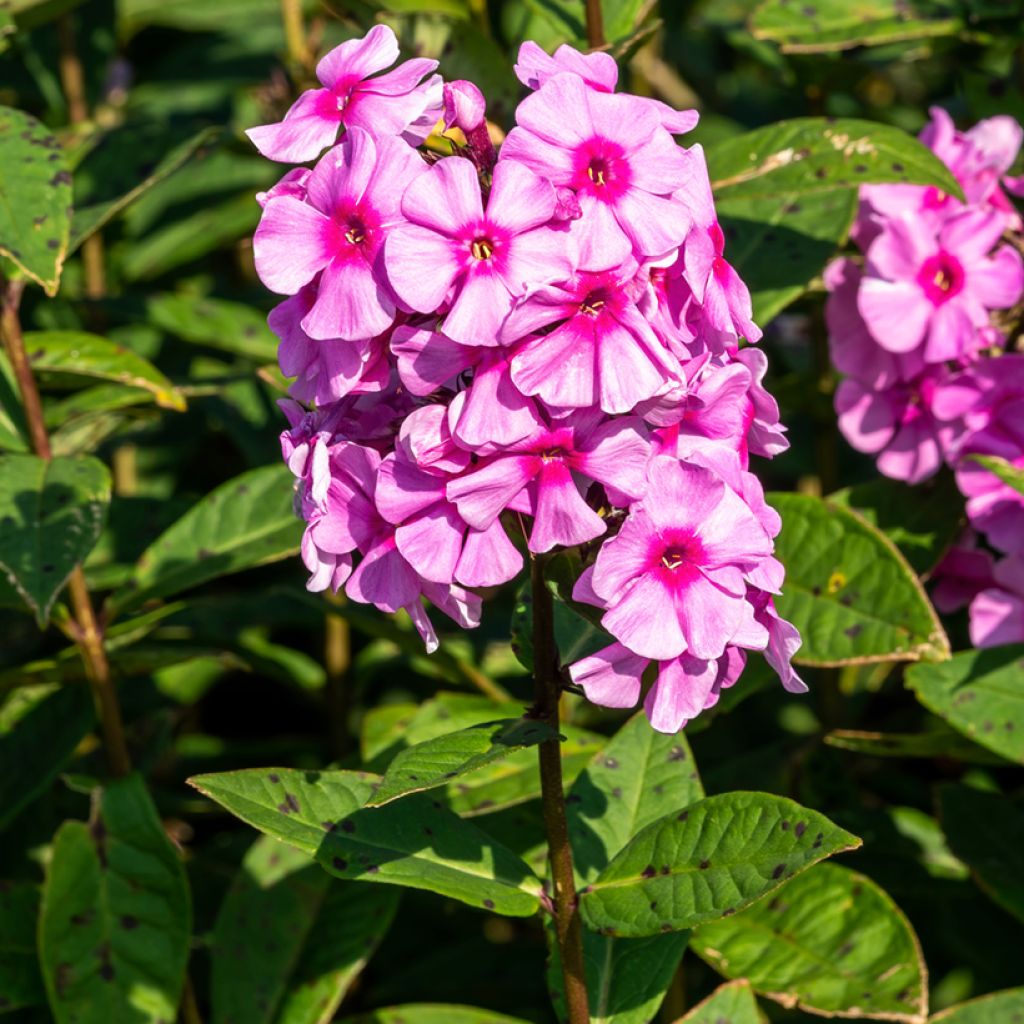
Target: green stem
[(547, 693), (294, 33)]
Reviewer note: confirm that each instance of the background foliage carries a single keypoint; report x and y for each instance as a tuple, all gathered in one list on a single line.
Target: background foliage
[(159, 381)]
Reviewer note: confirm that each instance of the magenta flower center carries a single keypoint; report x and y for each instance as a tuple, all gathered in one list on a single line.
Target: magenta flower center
[(677, 555), (594, 303), (934, 198), (602, 169), (941, 277)]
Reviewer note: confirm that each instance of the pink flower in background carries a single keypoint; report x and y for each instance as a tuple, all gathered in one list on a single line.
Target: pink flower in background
[(936, 288), (395, 103), (352, 203), (965, 571), (997, 612), (450, 251), (614, 153), (545, 476)]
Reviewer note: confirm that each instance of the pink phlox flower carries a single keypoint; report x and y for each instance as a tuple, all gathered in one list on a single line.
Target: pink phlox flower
[(352, 204), (997, 612), (293, 183), (766, 436), (430, 534), (464, 106), (783, 641), (602, 351), (965, 571), (716, 286), (451, 251), (328, 370), (614, 153), (599, 70), (674, 577), (936, 288), (900, 424), (397, 103), (549, 472), (668, 305), (490, 408)]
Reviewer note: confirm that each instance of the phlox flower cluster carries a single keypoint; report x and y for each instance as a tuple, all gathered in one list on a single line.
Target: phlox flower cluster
[(498, 354), (926, 327)]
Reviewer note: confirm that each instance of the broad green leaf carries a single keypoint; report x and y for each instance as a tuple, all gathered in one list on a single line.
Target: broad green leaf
[(786, 195), (990, 1009), (316, 934), (979, 693), (93, 403), (922, 521), (830, 25), (383, 730), (201, 320), (88, 355), (417, 843), (1011, 475), (937, 743), (20, 982), (51, 515), (708, 861), (35, 198), (29, 14), (246, 522), (733, 1002), (848, 589), (116, 915), (40, 726), (831, 942), (438, 761), (636, 779), (986, 831), (432, 1013), (90, 219)]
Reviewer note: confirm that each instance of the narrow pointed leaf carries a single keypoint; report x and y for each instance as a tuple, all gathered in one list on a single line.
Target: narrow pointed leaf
[(35, 198), (116, 917), (733, 1002), (88, 355), (937, 743), (417, 843), (848, 589), (998, 1006), (986, 831), (708, 861), (432, 1013), (978, 693), (438, 761), (1010, 474), (246, 522), (51, 514), (216, 323), (21, 984), (316, 934), (831, 942)]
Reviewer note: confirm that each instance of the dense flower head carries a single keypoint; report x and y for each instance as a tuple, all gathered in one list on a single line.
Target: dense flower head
[(504, 353), (926, 328)]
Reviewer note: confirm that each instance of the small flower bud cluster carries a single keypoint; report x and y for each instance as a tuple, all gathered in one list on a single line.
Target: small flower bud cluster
[(535, 348), (927, 329)]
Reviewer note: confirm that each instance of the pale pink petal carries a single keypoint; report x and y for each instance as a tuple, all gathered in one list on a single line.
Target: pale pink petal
[(445, 198), (541, 256), (709, 617), (611, 677), (293, 242), (342, 175), (558, 111), (308, 128), (488, 558), (427, 359), (898, 252), (384, 579), (403, 490), (630, 371), (616, 454), (896, 313), (997, 617), (493, 410), (407, 250), (357, 58), (561, 516), (656, 225), (481, 304), (621, 559), (559, 367), (681, 496), (519, 200), (998, 282), (972, 234), (680, 692), (350, 303), (645, 619), (432, 542), (482, 494), (548, 159), (867, 418)]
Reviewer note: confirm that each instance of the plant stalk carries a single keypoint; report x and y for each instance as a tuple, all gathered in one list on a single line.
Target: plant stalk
[(548, 692), (595, 25), (294, 33), (88, 635)]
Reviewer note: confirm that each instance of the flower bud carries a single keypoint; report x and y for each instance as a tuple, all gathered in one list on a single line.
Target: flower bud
[(464, 106)]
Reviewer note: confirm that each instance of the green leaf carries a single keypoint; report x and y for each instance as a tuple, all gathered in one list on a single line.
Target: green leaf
[(40, 727), (201, 320), (90, 219), (937, 743), (998, 1006), (922, 521), (21, 984), (708, 861), (52, 513), (432, 1013), (116, 916), (417, 843), (436, 762), (733, 1002), (1002, 468), (978, 693), (786, 195), (35, 198), (830, 942), (88, 355), (13, 431), (316, 934), (245, 522), (986, 831), (831, 25), (848, 589)]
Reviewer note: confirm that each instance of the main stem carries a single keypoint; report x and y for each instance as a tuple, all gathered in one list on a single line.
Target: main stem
[(547, 695), (88, 635), (595, 25)]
